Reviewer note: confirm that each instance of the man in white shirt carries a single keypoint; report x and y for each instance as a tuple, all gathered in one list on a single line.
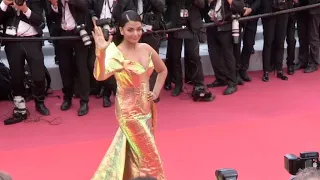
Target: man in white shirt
[(72, 55), (24, 21)]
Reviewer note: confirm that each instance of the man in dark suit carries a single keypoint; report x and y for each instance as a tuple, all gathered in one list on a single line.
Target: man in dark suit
[(69, 15), (303, 28), (104, 9), (185, 13), (220, 42), (249, 29), (274, 34), (151, 12), (314, 41), (24, 20)]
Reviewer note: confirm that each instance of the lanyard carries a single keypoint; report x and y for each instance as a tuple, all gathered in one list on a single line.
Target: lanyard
[(110, 7)]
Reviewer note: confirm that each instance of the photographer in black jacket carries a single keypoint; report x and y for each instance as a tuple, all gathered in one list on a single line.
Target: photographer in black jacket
[(274, 34), (151, 12), (24, 20), (314, 37), (303, 29), (185, 13), (220, 42), (100, 10), (249, 30), (72, 17), (291, 38)]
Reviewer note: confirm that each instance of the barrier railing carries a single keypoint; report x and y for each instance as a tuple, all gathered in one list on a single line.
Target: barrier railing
[(308, 7)]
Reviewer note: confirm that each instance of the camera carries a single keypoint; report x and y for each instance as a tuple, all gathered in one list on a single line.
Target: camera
[(153, 19), (200, 93), (235, 28), (226, 174), (84, 35), (293, 164), (105, 25), (19, 2)]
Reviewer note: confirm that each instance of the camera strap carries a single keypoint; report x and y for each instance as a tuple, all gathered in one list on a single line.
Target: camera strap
[(64, 12), (114, 2)]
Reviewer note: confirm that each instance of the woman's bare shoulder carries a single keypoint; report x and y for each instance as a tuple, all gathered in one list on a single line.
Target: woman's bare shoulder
[(145, 46)]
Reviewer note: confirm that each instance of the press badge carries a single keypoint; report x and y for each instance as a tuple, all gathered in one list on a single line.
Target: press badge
[(11, 30), (184, 13)]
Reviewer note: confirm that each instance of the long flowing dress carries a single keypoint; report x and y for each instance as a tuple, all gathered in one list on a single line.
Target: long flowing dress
[(133, 148)]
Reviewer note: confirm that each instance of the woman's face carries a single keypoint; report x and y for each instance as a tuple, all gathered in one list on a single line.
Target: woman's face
[(132, 31)]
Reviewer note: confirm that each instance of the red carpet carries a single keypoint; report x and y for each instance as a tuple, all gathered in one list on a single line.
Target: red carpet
[(249, 131)]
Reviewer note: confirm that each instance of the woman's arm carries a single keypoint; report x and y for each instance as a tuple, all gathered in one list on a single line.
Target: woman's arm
[(99, 65), (106, 64), (160, 68)]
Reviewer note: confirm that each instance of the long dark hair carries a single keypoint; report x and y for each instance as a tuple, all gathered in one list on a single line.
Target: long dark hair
[(126, 17)]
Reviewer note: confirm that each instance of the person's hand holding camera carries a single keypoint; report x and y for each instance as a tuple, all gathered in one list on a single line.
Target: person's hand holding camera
[(23, 8)]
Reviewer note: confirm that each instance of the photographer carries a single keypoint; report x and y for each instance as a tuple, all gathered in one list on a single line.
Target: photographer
[(71, 15), (274, 34), (249, 30), (109, 11), (291, 38), (24, 19), (303, 28), (220, 42), (314, 37), (151, 12), (185, 13)]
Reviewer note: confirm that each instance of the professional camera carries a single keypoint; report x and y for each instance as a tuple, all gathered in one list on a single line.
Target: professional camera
[(235, 28), (84, 34), (200, 93), (293, 164), (106, 24), (152, 19), (19, 2), (226, 174)]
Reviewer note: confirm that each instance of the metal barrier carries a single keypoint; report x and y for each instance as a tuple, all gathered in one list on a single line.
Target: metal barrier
[(168, 30)]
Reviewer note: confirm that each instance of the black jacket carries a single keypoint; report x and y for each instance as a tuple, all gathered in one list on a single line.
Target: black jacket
[(267, 6), (194, 19), (152, 5), (237, 6), (95, 8), (254, 5), (152, 12), (78, 9), (36, 19)]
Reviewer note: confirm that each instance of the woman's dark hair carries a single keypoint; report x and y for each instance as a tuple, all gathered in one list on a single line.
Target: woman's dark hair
[(127, 16)]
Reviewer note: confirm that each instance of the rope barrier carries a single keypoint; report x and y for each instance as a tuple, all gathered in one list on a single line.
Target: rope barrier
[(302, 8)]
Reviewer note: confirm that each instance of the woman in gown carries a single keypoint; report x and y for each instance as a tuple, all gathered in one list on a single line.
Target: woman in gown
[(133, 150)]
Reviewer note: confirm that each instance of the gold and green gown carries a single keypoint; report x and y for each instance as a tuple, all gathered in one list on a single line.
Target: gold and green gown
[(133, 149)]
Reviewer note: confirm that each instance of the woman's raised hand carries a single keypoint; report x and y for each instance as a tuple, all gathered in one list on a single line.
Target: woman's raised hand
[(98, 37)]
